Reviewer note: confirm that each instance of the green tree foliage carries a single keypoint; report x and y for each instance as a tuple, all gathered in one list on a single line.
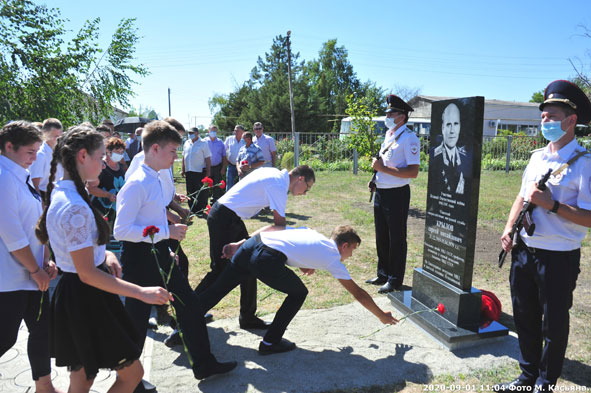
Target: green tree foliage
[(42, 75), (320, 90), (537, 96), (363, 129)]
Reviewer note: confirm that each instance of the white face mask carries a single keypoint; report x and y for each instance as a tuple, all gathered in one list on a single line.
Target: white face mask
[(213, 134), (116, 157), (390, 123)]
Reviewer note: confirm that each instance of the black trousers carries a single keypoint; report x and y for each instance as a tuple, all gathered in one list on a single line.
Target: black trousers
[(542, 285), (16, 306), (226, 227), (139, 267), (390, 215), (196, 203), (254, 259), (216, 176)]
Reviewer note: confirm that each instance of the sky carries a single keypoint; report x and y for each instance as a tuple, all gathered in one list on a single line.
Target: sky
[(505, 50)]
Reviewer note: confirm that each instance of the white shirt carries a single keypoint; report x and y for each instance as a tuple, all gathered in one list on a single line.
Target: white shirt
[(233, 147), (140, 203), (308, 249), (267, 145), (402, 153), (263, 187), (194, 154), (572, 187), (18, 218), (166, 175), (71, 226), (42, 166)]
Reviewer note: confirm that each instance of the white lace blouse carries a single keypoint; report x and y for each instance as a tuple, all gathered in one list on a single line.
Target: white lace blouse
[(71, 226)]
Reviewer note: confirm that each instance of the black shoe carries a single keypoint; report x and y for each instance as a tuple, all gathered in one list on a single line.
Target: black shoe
[(213, 368), (208, 317), (377, 280), (173, 340), (388, 287), (253, 323), (515, 385), (281, 346), (153, 323)]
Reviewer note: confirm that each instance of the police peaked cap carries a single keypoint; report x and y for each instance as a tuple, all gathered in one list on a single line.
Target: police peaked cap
[(567, 93), (396, 104)]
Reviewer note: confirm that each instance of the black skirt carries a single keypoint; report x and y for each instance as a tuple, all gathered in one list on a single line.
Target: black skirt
[(90, 328)]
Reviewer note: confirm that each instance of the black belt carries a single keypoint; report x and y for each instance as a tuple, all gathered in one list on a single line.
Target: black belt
[(267, 248)]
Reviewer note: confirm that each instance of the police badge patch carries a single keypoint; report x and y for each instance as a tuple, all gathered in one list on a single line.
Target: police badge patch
[(555, 180), (414, 149)]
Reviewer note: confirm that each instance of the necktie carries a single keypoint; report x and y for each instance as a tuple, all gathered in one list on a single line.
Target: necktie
[(32, 190)]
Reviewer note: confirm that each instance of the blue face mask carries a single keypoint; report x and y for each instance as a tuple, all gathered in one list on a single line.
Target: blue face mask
[(552, 130)]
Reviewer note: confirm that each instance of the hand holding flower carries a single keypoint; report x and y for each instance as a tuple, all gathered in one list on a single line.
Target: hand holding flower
[(177, 231), (388, 319), (51, 269), (154, 295)]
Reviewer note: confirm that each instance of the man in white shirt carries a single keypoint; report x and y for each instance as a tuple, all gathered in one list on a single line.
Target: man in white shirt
[(266, 256), (133, 144), (233, 144), (398, 163), (218, 159), (265, 187), (266, 143), (52, 129), (196, 166)]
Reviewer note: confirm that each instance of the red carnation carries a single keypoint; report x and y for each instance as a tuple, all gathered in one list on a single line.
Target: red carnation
[(208, 209), (440, 308), (223, 185), (106, 218), (207, 180), (244, 162), (151, 230)]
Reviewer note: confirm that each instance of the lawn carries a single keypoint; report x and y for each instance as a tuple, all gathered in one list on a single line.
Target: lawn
[(342, 198)]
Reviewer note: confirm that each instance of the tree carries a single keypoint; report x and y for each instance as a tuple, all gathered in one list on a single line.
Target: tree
[(42, 75), (362, 110), (537, 97)]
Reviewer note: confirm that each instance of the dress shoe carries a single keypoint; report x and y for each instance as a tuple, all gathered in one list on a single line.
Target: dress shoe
[(377, 280), (213, 368), (253, 323), (281, 346), (388, 287), (517, 384), (208, 317), (173, 340), (153, 323)]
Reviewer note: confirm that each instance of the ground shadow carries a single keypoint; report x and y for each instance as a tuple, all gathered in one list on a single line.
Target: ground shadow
[(576, 372), (417, 213), (497, 347), (304, 370)]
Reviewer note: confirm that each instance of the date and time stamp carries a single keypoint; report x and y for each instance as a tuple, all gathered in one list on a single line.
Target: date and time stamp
[(489, 388)]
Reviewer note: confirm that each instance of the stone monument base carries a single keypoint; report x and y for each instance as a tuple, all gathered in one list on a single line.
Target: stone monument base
[(458, 327)]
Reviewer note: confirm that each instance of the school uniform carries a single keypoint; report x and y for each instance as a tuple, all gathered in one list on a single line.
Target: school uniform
[(265, 187), (89, 327), (20, 297), (140, 203), (194, 155), (391, 204), (41, 167), (266, 257)]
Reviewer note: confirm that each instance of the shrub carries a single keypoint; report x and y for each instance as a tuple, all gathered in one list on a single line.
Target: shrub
[(288, 160)]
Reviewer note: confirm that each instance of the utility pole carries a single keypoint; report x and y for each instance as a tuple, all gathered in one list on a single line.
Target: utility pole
[(169, 102), (290, 89)]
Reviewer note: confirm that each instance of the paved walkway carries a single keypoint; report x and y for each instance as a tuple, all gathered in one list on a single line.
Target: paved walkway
[(331, 354)]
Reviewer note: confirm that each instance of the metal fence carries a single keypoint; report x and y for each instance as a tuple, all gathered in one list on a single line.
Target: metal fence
[(333, 151)]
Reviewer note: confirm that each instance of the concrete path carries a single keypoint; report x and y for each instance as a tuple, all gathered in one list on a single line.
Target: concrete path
[(331, 354)]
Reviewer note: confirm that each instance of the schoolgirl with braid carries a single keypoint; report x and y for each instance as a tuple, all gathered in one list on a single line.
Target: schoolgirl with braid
[(89, 327), (25, 268)]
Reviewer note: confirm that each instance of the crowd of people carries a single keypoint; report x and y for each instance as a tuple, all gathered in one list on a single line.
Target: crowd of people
[(68, 194)]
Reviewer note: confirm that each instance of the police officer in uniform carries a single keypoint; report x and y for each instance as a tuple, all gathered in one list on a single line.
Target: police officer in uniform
[(398, 163), (545, 265)]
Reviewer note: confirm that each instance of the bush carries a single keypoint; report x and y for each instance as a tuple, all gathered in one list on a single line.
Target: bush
[(288, 160)]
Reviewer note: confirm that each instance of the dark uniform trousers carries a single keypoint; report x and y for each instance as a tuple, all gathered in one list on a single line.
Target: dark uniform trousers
[(139, 267), (542, 285), (226, 227), (216, 176), (390, 216), (16, 306), (255, 259), (197, 203)]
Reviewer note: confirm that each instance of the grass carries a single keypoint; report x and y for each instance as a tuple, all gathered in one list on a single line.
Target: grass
[(342, 198)]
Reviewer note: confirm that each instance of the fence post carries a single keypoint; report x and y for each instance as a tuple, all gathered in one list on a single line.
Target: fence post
[(296, 149), (355, 162), (508, 163)]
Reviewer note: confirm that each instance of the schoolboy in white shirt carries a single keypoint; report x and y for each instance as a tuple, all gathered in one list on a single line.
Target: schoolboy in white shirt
[(141, 203), (265, 187), (266, 257)]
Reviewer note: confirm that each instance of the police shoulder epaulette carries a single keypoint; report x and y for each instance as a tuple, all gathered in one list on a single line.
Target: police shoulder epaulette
[(437, 151), (462, 150), (536, 150)]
